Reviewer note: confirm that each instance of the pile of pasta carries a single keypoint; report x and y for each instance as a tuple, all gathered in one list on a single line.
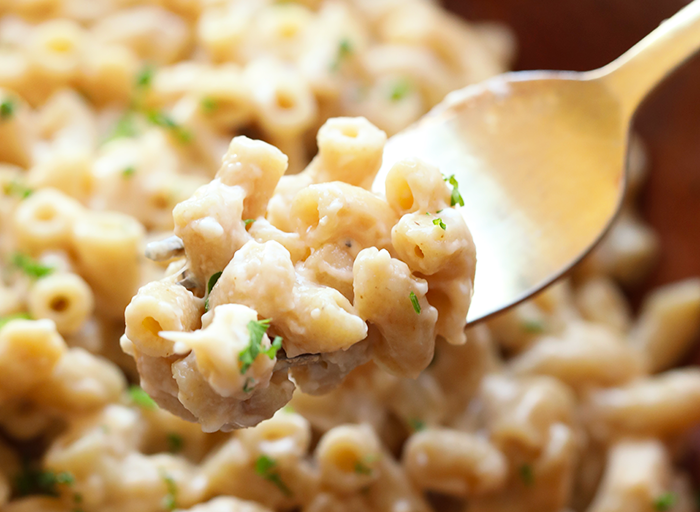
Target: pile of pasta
[(314, 257), (112, 112)]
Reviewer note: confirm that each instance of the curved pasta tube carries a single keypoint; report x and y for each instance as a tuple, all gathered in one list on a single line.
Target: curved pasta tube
[(285, 438), (349, 150), (440, 247), (45, 221), (388, 296), (338, 212), (663, 405), (108, 246), (160, 306), (256, 167), (64, 298), (637, 473), (29, 351), (322, 320), (584, 355), (520, 412), (285, 105), (415, 186), (260, 276), (455, 463), (211, 228), (348, 457)]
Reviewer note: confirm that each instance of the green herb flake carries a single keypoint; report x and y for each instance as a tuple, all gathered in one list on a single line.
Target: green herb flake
[(165, 121), (209, 105), (438, 222), (144, 78), (345, 50), (400, 90), (257, 329), (170, 499), (248, 385), (210, 286), (175, 442), (533, 326), (665, 502), (455, 197), (416, 424), (361, 468), (17, 316), (140, 398), (414, 301), (15, 188), (30, 266), (124, 128), (289, 409), (32, 481), (129, 172), (265, 467), (527, 475), (248, 222), (7, 109)]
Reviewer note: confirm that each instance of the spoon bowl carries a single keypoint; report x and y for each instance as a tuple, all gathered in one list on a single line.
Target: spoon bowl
[(540, 159)]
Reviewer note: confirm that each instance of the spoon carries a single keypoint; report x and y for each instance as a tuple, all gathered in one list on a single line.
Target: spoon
[(540, 159)]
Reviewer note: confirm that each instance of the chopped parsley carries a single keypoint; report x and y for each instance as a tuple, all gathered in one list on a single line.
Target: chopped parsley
[(257, 329), (400, 90), (36, 481), (527, 475), (288, 409), (414, 301), (344, 51), (248, 385), (248, 222), (438, 222), (209, 105), (7, 109), (210, 286), (416, 424), (15, 188), (455, 197), (17, 316), (165, 121), (361, 466), (533, 326), (129, 172), (170, 499), (144, 78), (665, 502), (30, 266), (265, 467), (175, 442), (125, 127), (139, 397)]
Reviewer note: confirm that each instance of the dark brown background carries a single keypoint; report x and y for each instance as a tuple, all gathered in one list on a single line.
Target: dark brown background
[(585, 34)]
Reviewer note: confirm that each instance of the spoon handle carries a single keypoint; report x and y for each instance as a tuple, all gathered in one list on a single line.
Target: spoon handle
[(633, 75)]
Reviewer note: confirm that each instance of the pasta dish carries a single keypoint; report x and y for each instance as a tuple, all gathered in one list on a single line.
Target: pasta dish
[(204, 306)]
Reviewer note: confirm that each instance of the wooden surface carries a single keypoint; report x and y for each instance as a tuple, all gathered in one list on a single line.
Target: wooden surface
[(586, 34)]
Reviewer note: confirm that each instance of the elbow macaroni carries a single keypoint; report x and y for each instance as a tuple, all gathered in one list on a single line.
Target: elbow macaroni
[(113, 115)]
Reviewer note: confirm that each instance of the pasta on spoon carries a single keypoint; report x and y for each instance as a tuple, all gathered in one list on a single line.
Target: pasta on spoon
[(279, 266)]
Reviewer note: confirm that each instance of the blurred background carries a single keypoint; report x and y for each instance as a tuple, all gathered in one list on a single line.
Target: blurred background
[(581, 35)]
